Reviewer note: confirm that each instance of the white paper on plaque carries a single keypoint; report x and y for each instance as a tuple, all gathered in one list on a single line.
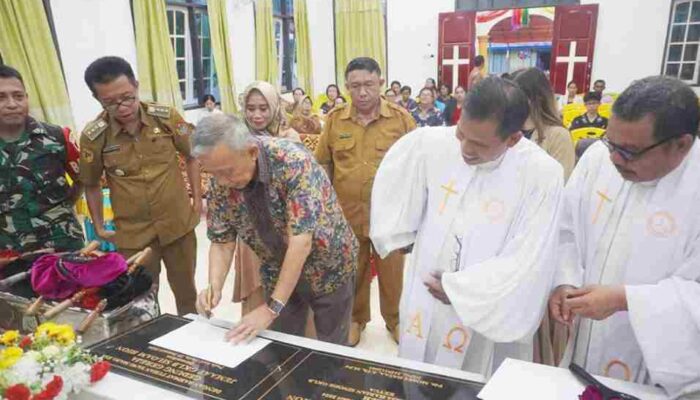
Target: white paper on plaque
[(206, 341)]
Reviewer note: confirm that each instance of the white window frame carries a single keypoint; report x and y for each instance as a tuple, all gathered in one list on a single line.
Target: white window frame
[(212, 68), (189, 69), (684, 43)]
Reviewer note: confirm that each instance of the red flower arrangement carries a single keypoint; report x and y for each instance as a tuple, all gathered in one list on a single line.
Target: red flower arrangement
[(99, 370), (18, 392)]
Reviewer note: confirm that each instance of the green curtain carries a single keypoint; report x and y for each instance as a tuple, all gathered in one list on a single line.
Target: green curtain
[(26, 44), (359, 32), (223, 59), (154, 53), (265, 49), (303, 44)]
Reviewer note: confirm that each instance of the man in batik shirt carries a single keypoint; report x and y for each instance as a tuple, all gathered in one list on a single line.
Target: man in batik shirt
[(274, 196)]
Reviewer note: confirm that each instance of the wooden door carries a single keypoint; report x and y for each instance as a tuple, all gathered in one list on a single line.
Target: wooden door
[(457, 33), (572, 46)]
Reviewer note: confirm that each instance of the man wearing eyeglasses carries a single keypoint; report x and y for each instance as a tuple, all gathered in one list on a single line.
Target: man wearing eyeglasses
[(135, 144), (629, 269)]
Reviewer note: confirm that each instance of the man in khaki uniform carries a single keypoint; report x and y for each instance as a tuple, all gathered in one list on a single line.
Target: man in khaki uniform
[(135, 145), (354, 140)]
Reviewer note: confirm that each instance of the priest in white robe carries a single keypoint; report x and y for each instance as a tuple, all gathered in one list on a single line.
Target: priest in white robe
[(479, 203), (629, 252)]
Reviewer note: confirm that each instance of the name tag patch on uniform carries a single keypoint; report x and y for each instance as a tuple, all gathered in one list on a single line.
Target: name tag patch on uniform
[(345, 136), (111, 149), (87, 155)]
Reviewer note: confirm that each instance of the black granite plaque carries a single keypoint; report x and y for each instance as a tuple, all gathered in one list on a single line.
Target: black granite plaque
[(278, 372), (131, 354)]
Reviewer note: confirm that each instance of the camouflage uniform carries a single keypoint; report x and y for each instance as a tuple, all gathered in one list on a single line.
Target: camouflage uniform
[(35, 210)]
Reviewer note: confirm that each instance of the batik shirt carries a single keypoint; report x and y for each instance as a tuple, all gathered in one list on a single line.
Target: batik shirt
[(300, 201), (35, 207), (433, 118)]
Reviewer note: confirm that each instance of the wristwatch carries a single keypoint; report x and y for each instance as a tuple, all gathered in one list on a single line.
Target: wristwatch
[(275, 306)]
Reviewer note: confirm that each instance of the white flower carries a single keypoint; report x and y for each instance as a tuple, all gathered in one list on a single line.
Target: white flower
[(27, 369), (76, 378), (51, 351)]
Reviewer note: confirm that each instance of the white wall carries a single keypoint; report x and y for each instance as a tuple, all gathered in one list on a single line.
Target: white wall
[(322, 37), (412, 39), (630, 40), (241, 23), (87, 30)]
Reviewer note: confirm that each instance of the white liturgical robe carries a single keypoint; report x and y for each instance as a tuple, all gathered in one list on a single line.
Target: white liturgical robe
[(645, 236), (490, 228)]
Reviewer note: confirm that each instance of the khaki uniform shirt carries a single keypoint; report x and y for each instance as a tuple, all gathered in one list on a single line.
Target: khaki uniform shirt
[(354, 152), (147, 189)]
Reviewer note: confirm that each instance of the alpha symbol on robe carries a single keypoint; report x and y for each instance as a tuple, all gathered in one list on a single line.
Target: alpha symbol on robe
[(602, 198), (456, 339), (494, 210), (661, 224), (625, 369), (449, 191), (416, 326)]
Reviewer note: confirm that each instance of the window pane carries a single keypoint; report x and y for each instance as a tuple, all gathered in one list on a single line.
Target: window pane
[(206, 47), (183, 92), (277, 6), (205, 25), (674, 52), (678, 33), (693, 33), (170, 22), (691, 52), (672, 70), (681, 12), (687, 71), (180, 69), (179, 23), (206, 67), (180, 49), (695, 15), (207, 85), (290, 7)]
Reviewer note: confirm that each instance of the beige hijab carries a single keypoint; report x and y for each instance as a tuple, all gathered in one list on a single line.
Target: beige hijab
[(274, 101)]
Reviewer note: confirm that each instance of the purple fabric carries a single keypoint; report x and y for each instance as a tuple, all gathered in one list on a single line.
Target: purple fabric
[(59, 277)]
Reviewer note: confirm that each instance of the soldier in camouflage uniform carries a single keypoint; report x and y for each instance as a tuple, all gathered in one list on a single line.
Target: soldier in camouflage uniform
[(135, 144), (36, 201)]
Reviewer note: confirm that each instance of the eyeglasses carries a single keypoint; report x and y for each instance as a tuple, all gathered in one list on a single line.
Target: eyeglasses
[(629, 155), (125, 101)]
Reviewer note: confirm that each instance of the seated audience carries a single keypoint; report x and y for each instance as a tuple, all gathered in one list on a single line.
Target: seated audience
[(332, 93), (426, 114), (591, 119), (406, 101)]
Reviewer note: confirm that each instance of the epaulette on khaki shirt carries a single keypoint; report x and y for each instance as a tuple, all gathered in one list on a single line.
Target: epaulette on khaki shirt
[(148, 194), (354, 152)]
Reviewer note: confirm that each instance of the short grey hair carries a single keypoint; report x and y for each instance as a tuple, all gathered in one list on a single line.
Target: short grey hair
[(220, 128)]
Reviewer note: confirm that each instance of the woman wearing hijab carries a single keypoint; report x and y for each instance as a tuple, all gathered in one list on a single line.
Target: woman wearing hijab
[(264, 116), (306, 123)]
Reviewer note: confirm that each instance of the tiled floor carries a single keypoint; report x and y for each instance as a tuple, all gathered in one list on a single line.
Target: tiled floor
[(376, 338)]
